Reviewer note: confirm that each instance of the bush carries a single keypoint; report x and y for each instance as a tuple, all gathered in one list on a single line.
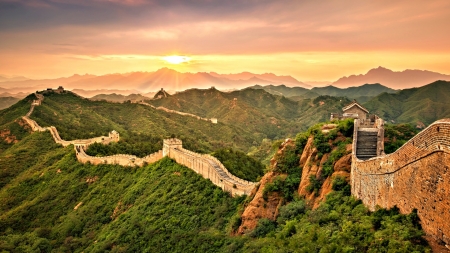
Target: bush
[(291, 210), (264, 227)]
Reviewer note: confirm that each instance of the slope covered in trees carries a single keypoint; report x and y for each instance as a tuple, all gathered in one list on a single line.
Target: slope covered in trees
[(417, 106), (52, 203)]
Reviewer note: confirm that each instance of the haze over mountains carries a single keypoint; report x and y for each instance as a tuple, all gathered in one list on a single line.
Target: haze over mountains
[(172, 80), (394, 79)]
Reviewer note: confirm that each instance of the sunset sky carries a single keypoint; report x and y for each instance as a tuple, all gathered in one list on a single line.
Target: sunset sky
[(309, 40)]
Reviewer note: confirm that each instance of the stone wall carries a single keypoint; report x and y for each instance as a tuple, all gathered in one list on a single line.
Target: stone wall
[(211, 168), (416, 176), (124, 160), (206, 165)]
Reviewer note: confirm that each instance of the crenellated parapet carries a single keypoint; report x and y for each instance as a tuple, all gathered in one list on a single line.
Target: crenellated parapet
[(416, 176), (206, 165), (211, 168)]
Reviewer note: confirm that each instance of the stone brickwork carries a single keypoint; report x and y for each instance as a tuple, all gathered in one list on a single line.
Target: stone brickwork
[(124, 160), (206, 165), (209, 167), (213, 120), (416, 176)]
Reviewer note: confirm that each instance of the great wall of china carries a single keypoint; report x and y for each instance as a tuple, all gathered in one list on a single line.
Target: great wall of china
[(206, 165), (416, 176)]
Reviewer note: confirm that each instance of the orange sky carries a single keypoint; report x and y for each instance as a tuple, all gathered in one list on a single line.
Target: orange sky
[(310, 40)]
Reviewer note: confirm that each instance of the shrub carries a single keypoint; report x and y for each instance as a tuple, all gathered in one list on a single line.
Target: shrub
[(264, 227)]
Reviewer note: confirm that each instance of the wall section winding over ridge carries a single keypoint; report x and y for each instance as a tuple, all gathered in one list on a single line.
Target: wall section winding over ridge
[(206, 165), (416, 176)]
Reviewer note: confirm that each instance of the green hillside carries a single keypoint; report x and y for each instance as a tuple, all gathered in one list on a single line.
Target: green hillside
[(6, 102), (49, 202), (118, 97), (274, 117), (78, 118), (361, 93), (418, 106)]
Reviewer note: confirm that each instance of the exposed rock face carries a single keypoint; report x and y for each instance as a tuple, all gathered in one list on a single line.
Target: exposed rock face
[(7, 136), (259, 208), (313, 167)]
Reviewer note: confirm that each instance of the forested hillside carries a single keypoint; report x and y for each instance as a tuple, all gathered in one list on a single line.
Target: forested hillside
[(417, 106), (49, 202), (275, 117)]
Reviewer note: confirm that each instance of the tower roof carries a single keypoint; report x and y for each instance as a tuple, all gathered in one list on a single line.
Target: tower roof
[(354, 103)]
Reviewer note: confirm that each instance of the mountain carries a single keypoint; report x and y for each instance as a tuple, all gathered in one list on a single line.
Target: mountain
[(52, 203), (143, 82), (92, 93), (118, 97), (267, 77), (393, 79), (256, 110), (13, 78), (417, 106), (6, 102), (361, 93)]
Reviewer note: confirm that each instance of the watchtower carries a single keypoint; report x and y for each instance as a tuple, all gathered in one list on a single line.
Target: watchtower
[(172, 143), (114, 136)]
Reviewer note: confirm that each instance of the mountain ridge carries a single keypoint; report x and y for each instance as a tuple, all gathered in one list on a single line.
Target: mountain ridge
[(408, 78)]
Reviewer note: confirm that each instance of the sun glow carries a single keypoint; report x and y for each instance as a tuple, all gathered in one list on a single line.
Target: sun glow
[(176, 59)]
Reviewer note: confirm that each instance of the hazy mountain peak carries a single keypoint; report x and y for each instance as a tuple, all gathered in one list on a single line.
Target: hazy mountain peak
[(393, 79)]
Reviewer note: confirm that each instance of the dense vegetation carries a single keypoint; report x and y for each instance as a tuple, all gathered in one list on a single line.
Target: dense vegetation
[(78, 118), (239, 164), (361, 93), (417, 106), (273, 117), (52, 203), (49, 202), (396, 135)]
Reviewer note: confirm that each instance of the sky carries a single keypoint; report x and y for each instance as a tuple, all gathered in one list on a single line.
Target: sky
[(309, 40)]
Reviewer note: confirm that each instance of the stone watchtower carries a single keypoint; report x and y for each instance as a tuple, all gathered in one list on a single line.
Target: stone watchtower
[(169, 144), (114, 136)]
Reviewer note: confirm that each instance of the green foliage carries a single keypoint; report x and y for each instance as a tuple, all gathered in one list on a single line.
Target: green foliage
[(139, 145), (314, 184), (287, 160), (170, 206), (291, 211), (397, 135), (417, 106), (264, 227), (239, 164), (346, 127), (340, 224), (340, 184)]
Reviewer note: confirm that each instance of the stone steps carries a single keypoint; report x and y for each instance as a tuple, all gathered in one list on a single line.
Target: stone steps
[(366, 145)]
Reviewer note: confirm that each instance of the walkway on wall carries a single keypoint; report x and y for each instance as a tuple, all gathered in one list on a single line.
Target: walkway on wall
[(366, 145), (176, 112), (228, 181)]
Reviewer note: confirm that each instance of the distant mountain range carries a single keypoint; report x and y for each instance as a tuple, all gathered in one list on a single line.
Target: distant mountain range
[(171, 80), (362, 93), (394, 79), (152, 81)]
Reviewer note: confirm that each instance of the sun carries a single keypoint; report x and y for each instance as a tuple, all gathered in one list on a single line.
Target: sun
[(176, 59)]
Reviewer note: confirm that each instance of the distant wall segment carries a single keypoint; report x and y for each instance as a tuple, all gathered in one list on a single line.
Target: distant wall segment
[(416, 176), (205, 165)]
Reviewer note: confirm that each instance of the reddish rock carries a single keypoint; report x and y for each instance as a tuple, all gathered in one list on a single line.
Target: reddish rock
[(259, 208)]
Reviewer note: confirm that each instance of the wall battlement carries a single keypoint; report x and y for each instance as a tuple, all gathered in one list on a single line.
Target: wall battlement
[(416, 176), (206, 165)]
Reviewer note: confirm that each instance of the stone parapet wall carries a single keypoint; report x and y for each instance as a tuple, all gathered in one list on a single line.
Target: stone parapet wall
[(213, 170), (206, 165), (416, 176), (121, 159)]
